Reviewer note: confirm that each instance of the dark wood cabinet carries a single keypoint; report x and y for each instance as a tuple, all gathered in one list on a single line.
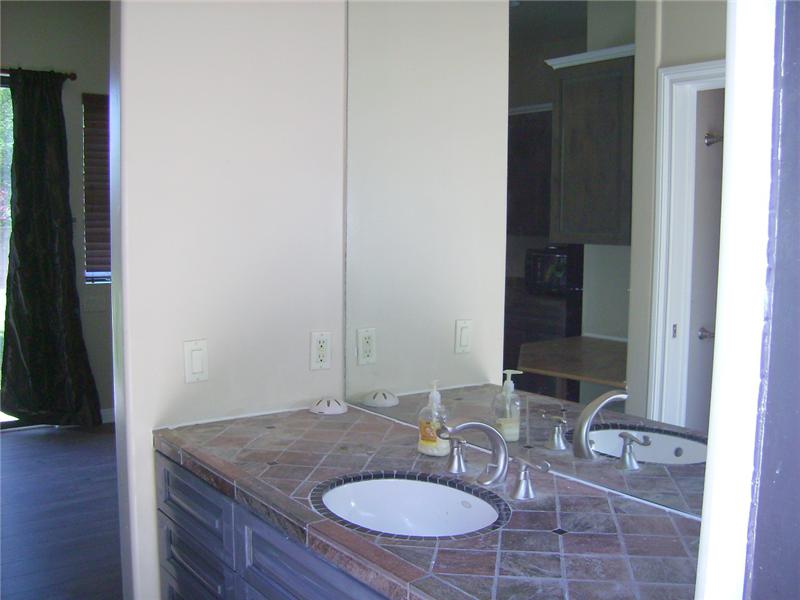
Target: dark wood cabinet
[(529, 148), (590, 201)]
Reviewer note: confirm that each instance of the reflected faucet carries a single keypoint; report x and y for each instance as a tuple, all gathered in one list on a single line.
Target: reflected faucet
[(580, 437), (497, 469)]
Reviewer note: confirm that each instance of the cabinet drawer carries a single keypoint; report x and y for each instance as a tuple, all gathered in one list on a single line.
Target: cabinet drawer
[(196, 506), (191, 565), (278, 567), (183, 589), (248, 592)]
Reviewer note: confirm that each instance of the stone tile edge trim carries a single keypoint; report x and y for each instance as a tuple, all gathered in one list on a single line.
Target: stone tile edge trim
[(277, 508), (361, 569), (363, 548)]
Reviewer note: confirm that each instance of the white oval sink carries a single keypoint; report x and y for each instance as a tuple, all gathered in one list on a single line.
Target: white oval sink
[(664, 448), (409, 507)]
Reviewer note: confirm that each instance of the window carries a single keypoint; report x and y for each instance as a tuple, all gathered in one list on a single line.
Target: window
[(6, 152), (96, 189)]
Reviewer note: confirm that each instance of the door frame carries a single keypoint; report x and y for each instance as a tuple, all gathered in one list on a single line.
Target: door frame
[(678, 89)]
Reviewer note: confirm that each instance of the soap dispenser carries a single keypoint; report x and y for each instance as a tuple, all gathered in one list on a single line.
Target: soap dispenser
[(506, 409), (431, 418)]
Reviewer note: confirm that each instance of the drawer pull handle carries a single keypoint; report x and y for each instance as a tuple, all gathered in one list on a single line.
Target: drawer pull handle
[(187, 508)]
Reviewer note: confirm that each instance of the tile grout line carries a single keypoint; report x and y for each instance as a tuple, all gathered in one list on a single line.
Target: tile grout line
[(682, 537), (561, 548), (319, 463), (678, 488), (497, 559), (624, 547)]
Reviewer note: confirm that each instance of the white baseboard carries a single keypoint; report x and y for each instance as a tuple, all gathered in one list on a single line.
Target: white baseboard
[(107, 414)]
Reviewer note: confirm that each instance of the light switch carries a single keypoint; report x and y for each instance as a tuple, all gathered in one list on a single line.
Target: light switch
[(463, 341), (195, 360)]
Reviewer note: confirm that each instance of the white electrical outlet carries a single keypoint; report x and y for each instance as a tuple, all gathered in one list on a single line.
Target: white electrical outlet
[(463, 341), (320, 350), (366, 350)]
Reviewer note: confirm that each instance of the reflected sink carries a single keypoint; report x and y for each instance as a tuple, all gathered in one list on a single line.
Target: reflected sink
[(665, 448), (400, 504)]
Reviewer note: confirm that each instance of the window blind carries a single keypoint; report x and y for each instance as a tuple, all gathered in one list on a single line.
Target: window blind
[(96, 188)]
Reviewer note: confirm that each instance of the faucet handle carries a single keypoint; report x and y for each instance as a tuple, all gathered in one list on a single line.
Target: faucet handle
[(556, 441), (629, 438), (523, 488), (627, 461), (560, 420), (544, 467), (455, 462)]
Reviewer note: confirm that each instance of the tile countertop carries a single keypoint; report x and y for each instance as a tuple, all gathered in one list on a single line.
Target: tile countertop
[(608, 546), (676, 486)]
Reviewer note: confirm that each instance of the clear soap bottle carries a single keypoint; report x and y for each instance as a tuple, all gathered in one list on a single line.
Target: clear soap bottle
[(506, 409), (431, 418)]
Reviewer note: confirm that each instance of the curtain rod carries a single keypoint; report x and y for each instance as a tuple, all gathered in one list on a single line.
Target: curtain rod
[(4, 72)]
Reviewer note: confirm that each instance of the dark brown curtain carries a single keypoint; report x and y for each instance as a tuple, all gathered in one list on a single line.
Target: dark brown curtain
[(46, 376)]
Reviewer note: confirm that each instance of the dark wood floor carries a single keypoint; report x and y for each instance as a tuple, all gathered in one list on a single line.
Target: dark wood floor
[(59, 527)]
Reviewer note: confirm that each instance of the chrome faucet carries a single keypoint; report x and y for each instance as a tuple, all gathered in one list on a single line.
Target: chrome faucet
[(497, 469), (580, 438)]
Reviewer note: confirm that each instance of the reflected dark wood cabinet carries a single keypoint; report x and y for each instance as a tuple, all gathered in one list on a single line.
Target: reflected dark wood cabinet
[(529, 147), (590, 200)]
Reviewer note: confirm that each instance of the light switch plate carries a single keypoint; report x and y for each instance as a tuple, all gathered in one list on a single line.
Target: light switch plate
[(195, 360), (463, 341)]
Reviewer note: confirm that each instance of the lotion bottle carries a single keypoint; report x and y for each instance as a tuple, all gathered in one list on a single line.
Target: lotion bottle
[(431, 418), (506, 409)]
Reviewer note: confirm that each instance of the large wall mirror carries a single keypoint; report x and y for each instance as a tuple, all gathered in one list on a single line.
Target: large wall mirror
[(488, 222)]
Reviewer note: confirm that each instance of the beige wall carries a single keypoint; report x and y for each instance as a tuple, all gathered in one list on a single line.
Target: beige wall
[(606, 269), (426, 185), (70, 37), (230, 221), (610, 23), (540, 30), (667, 34), (692, 32)]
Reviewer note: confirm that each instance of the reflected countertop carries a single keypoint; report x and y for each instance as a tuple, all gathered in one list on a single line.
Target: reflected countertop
[(676, 486)]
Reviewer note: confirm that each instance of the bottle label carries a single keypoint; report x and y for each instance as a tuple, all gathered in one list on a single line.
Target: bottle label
[(427, 431)]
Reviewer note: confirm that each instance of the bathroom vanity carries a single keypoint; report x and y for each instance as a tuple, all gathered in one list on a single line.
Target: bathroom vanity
[(237, 519)]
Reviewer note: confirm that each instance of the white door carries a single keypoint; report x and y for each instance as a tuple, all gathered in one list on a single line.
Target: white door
[(686, 244), (705, 258)]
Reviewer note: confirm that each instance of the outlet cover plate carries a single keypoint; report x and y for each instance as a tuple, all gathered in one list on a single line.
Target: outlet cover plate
[(320, 351), (366, 348)]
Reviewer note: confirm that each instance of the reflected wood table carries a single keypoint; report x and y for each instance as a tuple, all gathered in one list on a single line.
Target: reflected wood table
[(580, 358)]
